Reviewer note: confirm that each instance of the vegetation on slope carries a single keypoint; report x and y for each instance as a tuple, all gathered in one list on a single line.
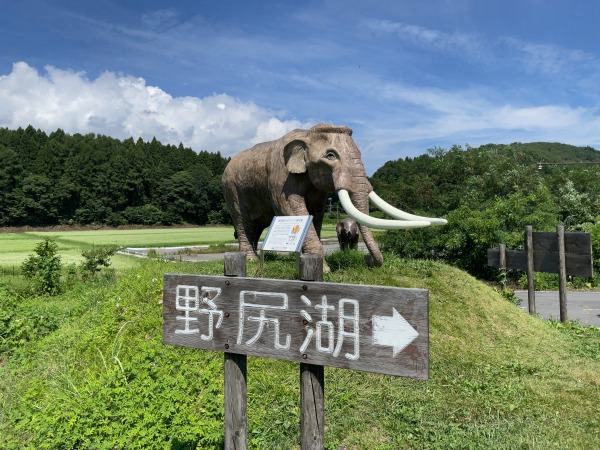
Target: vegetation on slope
[(87, 369), (546, 152), (489, 194)]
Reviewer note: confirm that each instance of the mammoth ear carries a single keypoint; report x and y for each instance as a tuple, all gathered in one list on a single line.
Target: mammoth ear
[(294, 155)]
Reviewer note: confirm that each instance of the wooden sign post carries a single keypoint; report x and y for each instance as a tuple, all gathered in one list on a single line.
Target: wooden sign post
[(530, 268), (235, 373), (312, 377), (371, 328)]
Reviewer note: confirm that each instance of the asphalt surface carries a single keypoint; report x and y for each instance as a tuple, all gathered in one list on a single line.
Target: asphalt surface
[(583, 306), (179, 253)]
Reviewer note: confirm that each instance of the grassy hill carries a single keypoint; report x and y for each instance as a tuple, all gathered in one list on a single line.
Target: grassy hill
[(88, 370)]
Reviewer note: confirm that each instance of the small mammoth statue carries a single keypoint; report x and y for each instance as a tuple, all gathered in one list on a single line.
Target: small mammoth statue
[(292, 176), (347, 234)]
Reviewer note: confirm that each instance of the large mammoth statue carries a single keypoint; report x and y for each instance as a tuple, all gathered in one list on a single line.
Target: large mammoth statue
[(292, 175)]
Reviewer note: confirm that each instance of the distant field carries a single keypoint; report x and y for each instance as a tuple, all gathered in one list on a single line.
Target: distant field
[(16, 247), (154, 237)]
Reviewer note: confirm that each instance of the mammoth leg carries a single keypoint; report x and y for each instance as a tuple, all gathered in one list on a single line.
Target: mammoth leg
[(245, 243), (341, 241), (254, 237), (312, 243), (354, 241), (240, 225), (343, 238), (248, 241), (354, 236), (254, 227), (318, 220), (315, 206)]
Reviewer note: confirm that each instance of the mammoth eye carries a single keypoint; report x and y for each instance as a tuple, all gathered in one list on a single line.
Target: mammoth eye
[(331, 154)]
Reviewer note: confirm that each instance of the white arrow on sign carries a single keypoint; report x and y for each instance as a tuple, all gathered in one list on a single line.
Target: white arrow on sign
[(393, 331)]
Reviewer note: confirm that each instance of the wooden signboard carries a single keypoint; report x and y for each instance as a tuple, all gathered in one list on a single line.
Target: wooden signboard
[(560, 252), (370, 328), (578, 254)]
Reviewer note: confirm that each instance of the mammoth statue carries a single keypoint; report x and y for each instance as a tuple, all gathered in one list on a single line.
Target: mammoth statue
[(292, 175), (347, 234)]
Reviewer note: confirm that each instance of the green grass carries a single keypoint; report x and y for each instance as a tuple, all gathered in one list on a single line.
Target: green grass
[(16, 247), (155, 237), (88, 370)]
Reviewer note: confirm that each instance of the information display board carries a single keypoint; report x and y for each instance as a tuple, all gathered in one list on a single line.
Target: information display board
[(287, 233)]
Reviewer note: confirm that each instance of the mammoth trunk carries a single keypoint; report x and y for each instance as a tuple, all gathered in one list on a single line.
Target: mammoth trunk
[(361, 201)]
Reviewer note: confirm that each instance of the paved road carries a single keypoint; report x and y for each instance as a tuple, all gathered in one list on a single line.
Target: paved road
[(330, 245), (581, 305)]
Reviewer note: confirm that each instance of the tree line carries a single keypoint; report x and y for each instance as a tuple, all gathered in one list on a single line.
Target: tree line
[(489, 194), (82, 179)]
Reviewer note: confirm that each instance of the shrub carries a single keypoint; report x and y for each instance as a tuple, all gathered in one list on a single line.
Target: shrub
[(44, 269), (95, 258), (510, 295), (550, 282), (23, 321)]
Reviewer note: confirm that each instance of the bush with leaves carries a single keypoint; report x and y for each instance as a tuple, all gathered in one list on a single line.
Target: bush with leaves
[(44, 268), (473, 229), (95, 259)]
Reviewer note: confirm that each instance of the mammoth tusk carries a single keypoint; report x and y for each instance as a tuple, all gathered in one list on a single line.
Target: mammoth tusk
[(373, 222), (398, 213)]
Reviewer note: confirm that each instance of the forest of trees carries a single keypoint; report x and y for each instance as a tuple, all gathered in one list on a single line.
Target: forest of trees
[(82, 179), (489, 194)]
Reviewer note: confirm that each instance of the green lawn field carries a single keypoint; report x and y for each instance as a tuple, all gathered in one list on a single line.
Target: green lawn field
[(16, 247), (153, 237)]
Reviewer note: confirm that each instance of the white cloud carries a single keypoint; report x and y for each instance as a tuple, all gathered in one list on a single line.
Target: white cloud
[(455, 42), (439, 113), (552, 59), (549, 60), (415, 119), (273, 129), (123, 106)]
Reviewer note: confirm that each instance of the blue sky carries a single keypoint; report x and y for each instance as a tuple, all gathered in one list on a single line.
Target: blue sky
[(222, 75)]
